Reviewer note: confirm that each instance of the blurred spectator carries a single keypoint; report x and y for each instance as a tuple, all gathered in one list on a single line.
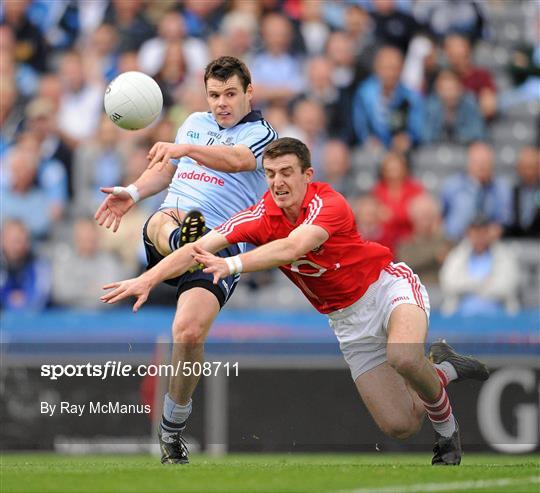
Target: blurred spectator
[(392, 26), (81, 103), (81, 268), (336, 167), (202, 18), (341, 52), (172, 72), (129, 18), (369, 217), (525, 220), (97, 162), (309, 125), (172, 29), (452, 115), (277, 75), (101, 55), (25, 279), (394, 191), (475, 191), (51, 175), (23, 199), (477, 80), (359, 27), (59, 22), (278, 116), (421, 65), (41, 124), (50, 88), (524, 68), (23, 74), (385, 109), (458, 16), (30, 46), (11, 113), (313, 29), (425, 250), (480, 276), (240, 31)]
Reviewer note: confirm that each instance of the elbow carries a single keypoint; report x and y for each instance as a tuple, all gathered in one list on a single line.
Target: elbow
[(292, 252)]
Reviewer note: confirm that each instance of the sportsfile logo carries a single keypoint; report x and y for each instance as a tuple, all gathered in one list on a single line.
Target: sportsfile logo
[(204, 177)]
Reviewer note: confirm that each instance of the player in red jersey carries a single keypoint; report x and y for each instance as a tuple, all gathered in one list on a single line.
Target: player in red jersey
[(378, 310)]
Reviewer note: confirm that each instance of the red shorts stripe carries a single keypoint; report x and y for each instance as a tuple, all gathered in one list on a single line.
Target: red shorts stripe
[(407, 274)]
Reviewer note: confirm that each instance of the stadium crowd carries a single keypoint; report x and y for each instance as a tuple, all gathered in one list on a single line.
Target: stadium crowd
[(424, 114)]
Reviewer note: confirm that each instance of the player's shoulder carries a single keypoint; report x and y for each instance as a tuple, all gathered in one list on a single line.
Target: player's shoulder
[(201, 117), (255, 120), (326, 193)]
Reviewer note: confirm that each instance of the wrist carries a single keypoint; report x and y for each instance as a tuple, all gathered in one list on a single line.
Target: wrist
[(134, 193), (234, 264)]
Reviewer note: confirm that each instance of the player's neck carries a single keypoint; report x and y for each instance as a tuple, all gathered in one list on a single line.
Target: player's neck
[(292, 213)]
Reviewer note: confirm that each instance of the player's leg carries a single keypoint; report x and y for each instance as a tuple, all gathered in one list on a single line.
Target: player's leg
[(199, 302), (169, 229), (394, 406)]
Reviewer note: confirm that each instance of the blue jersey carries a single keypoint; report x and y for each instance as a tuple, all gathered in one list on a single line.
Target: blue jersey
[(217, 194)]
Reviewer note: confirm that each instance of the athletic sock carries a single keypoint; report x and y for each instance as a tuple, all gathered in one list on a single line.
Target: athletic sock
[(174, 239), (448, 371), (439, 412), (174, 418)]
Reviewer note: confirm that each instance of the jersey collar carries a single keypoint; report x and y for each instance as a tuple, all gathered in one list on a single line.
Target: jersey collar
[(252, 116)]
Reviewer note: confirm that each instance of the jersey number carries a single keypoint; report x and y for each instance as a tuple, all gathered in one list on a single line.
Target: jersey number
[(297, 264)]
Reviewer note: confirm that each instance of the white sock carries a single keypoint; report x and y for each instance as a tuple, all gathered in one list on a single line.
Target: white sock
[(174, 417), (448, 369), (445, 428)]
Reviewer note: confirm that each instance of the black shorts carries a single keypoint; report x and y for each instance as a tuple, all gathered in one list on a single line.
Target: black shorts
[(197, 279)]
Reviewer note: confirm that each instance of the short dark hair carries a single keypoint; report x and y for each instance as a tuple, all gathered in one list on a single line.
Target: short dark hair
[(225, 67), (288, 145)]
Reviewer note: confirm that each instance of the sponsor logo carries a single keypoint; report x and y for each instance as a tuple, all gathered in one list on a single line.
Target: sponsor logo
[(115, 117), (399, 298), (204, 177), (192, 134), (214, 134), (228, 142)]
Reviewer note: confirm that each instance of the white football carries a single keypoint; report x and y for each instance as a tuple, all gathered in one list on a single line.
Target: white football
[(133, 100)]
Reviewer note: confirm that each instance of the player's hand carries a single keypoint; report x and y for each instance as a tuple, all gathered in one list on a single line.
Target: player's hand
[(138, 287), (213, 264), (114, 206), (162, 152)]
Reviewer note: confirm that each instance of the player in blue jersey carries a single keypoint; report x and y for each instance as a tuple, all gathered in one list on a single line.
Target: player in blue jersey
[(212, 170)]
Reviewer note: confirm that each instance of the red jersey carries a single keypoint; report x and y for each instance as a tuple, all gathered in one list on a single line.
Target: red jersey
[(334, 275)]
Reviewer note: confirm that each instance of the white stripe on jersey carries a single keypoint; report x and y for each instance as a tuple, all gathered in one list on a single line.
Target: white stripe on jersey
[(240, 218), (315, 206)]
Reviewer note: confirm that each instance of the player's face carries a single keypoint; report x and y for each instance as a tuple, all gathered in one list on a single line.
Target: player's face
[(286, 182), (227, 100)]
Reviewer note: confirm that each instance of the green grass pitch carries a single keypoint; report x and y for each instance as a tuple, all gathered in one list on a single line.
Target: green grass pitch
[(271, 473)]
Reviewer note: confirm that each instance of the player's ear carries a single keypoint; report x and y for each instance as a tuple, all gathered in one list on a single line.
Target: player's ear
[(309, 174), (249, 92)]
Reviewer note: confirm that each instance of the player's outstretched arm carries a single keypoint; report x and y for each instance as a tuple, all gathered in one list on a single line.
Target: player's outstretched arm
[(119, 200), (174, 265), (231, 159), (274, 254)]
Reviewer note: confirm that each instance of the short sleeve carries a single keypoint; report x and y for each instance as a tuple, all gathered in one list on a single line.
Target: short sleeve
[(247, 226), (330, 211), (257, 136)]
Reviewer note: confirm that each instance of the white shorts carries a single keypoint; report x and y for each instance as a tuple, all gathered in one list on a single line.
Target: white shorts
[(361, 328)]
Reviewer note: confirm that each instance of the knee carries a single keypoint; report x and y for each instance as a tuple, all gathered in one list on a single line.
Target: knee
[(400, 430), (188, 333), (405, 362)]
